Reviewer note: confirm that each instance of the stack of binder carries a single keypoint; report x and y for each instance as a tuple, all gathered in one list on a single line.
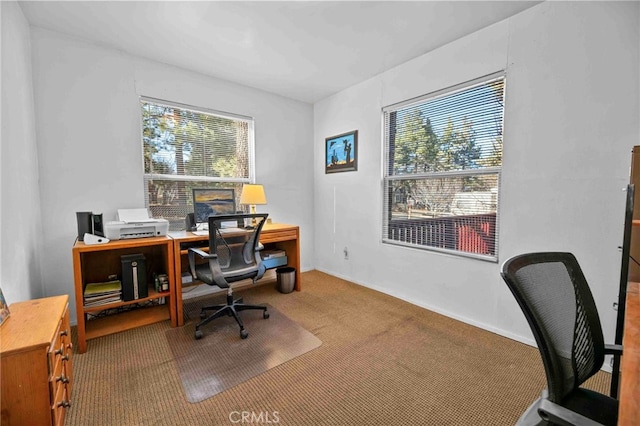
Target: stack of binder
[(273, 258), (97, 294), (272, 254)]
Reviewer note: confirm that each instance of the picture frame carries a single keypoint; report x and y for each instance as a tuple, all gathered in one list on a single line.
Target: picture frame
[(341, 153), (4, 308)]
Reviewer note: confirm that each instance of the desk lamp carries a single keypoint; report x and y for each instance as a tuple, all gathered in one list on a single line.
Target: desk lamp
[(252, 194)]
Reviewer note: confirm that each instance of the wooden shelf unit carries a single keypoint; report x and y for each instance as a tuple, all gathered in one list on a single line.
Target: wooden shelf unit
[(96, 263)]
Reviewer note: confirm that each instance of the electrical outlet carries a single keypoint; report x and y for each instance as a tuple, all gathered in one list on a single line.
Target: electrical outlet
[(346, 254)]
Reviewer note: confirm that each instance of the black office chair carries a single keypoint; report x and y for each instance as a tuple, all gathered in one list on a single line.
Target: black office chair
[(234, 255), (555, 298)]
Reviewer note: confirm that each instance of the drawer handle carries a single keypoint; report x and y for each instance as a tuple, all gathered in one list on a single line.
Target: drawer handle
[(65, 358), (65, 404), (58, 351), (64, 333), (62, 379)]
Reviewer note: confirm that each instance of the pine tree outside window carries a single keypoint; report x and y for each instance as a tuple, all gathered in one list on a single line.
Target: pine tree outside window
[(443, 158), (185, 147)]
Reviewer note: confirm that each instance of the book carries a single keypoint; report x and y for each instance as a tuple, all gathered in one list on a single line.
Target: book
[(270, 254), (105, 287), (96, 294), (102, 301), (102, 296)]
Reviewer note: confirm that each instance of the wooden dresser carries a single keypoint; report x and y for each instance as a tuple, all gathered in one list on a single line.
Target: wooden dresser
[(35, 362)]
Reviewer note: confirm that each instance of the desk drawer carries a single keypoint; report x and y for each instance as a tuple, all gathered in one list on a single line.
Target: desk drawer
[(273, 237)]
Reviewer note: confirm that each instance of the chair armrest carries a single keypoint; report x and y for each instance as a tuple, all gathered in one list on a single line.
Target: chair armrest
[(557, 414), (611, 349), (202, 254), (192, 259)]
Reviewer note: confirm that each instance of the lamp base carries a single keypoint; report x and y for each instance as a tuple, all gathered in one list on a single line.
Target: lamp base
[(254, 222)]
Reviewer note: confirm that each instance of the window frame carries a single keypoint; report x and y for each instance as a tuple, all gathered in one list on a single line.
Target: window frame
[(388, 176), (214, 180)]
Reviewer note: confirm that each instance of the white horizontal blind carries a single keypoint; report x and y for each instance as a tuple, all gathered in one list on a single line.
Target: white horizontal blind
[(186, 147), (443, 157)]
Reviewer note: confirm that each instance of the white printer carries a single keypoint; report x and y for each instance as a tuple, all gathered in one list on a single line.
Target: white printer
[(135, 223)]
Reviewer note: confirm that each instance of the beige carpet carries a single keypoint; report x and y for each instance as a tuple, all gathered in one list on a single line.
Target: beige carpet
[(221, 359), (382, 362)]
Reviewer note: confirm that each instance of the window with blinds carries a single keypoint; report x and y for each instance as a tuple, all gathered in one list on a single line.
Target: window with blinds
[(443, 157), (186, 147)]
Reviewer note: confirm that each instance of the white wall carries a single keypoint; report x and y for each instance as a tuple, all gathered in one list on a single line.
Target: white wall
[(571, 118), (89, 143), (20, 228)]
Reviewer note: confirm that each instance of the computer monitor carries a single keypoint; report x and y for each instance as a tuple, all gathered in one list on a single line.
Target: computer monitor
[(212, 201)]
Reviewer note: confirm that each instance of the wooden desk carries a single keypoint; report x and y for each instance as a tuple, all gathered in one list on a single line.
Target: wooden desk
[(95, 263), (629, 411), (273, 235)]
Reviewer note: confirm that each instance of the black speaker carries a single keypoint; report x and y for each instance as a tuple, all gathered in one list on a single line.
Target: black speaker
[(98, 229), (85, 224), (190, 222)]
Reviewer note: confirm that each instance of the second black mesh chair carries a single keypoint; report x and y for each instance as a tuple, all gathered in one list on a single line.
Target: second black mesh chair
[(557, 302), (234, 255)]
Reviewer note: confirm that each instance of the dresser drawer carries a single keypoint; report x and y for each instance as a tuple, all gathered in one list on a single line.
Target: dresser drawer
[(65, 339), (59, 377), (60, 405), (60, 355)]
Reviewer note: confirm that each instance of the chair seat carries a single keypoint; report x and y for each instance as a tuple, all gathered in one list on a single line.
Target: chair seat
[(203, 273), (596, 406), (593, 405)]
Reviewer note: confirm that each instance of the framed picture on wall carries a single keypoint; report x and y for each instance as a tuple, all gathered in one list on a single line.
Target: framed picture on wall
[(4, 308), (341, 153)]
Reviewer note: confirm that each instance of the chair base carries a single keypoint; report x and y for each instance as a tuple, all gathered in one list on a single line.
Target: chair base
[(231, 308)]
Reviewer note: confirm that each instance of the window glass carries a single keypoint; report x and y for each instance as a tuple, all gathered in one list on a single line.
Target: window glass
[(186, 147), (443, 157)]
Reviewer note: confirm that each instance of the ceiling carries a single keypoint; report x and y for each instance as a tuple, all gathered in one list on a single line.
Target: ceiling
[(305, 50)]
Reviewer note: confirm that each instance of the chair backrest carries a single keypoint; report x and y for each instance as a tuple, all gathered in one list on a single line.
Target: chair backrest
[(235, 239), (555, 298)]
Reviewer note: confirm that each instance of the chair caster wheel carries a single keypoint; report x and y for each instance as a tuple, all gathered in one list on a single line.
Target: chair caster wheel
[(265, 315), (198, 335), (244, 334)]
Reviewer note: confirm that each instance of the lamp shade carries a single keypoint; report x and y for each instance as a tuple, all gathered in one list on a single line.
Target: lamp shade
[(252, 194)]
